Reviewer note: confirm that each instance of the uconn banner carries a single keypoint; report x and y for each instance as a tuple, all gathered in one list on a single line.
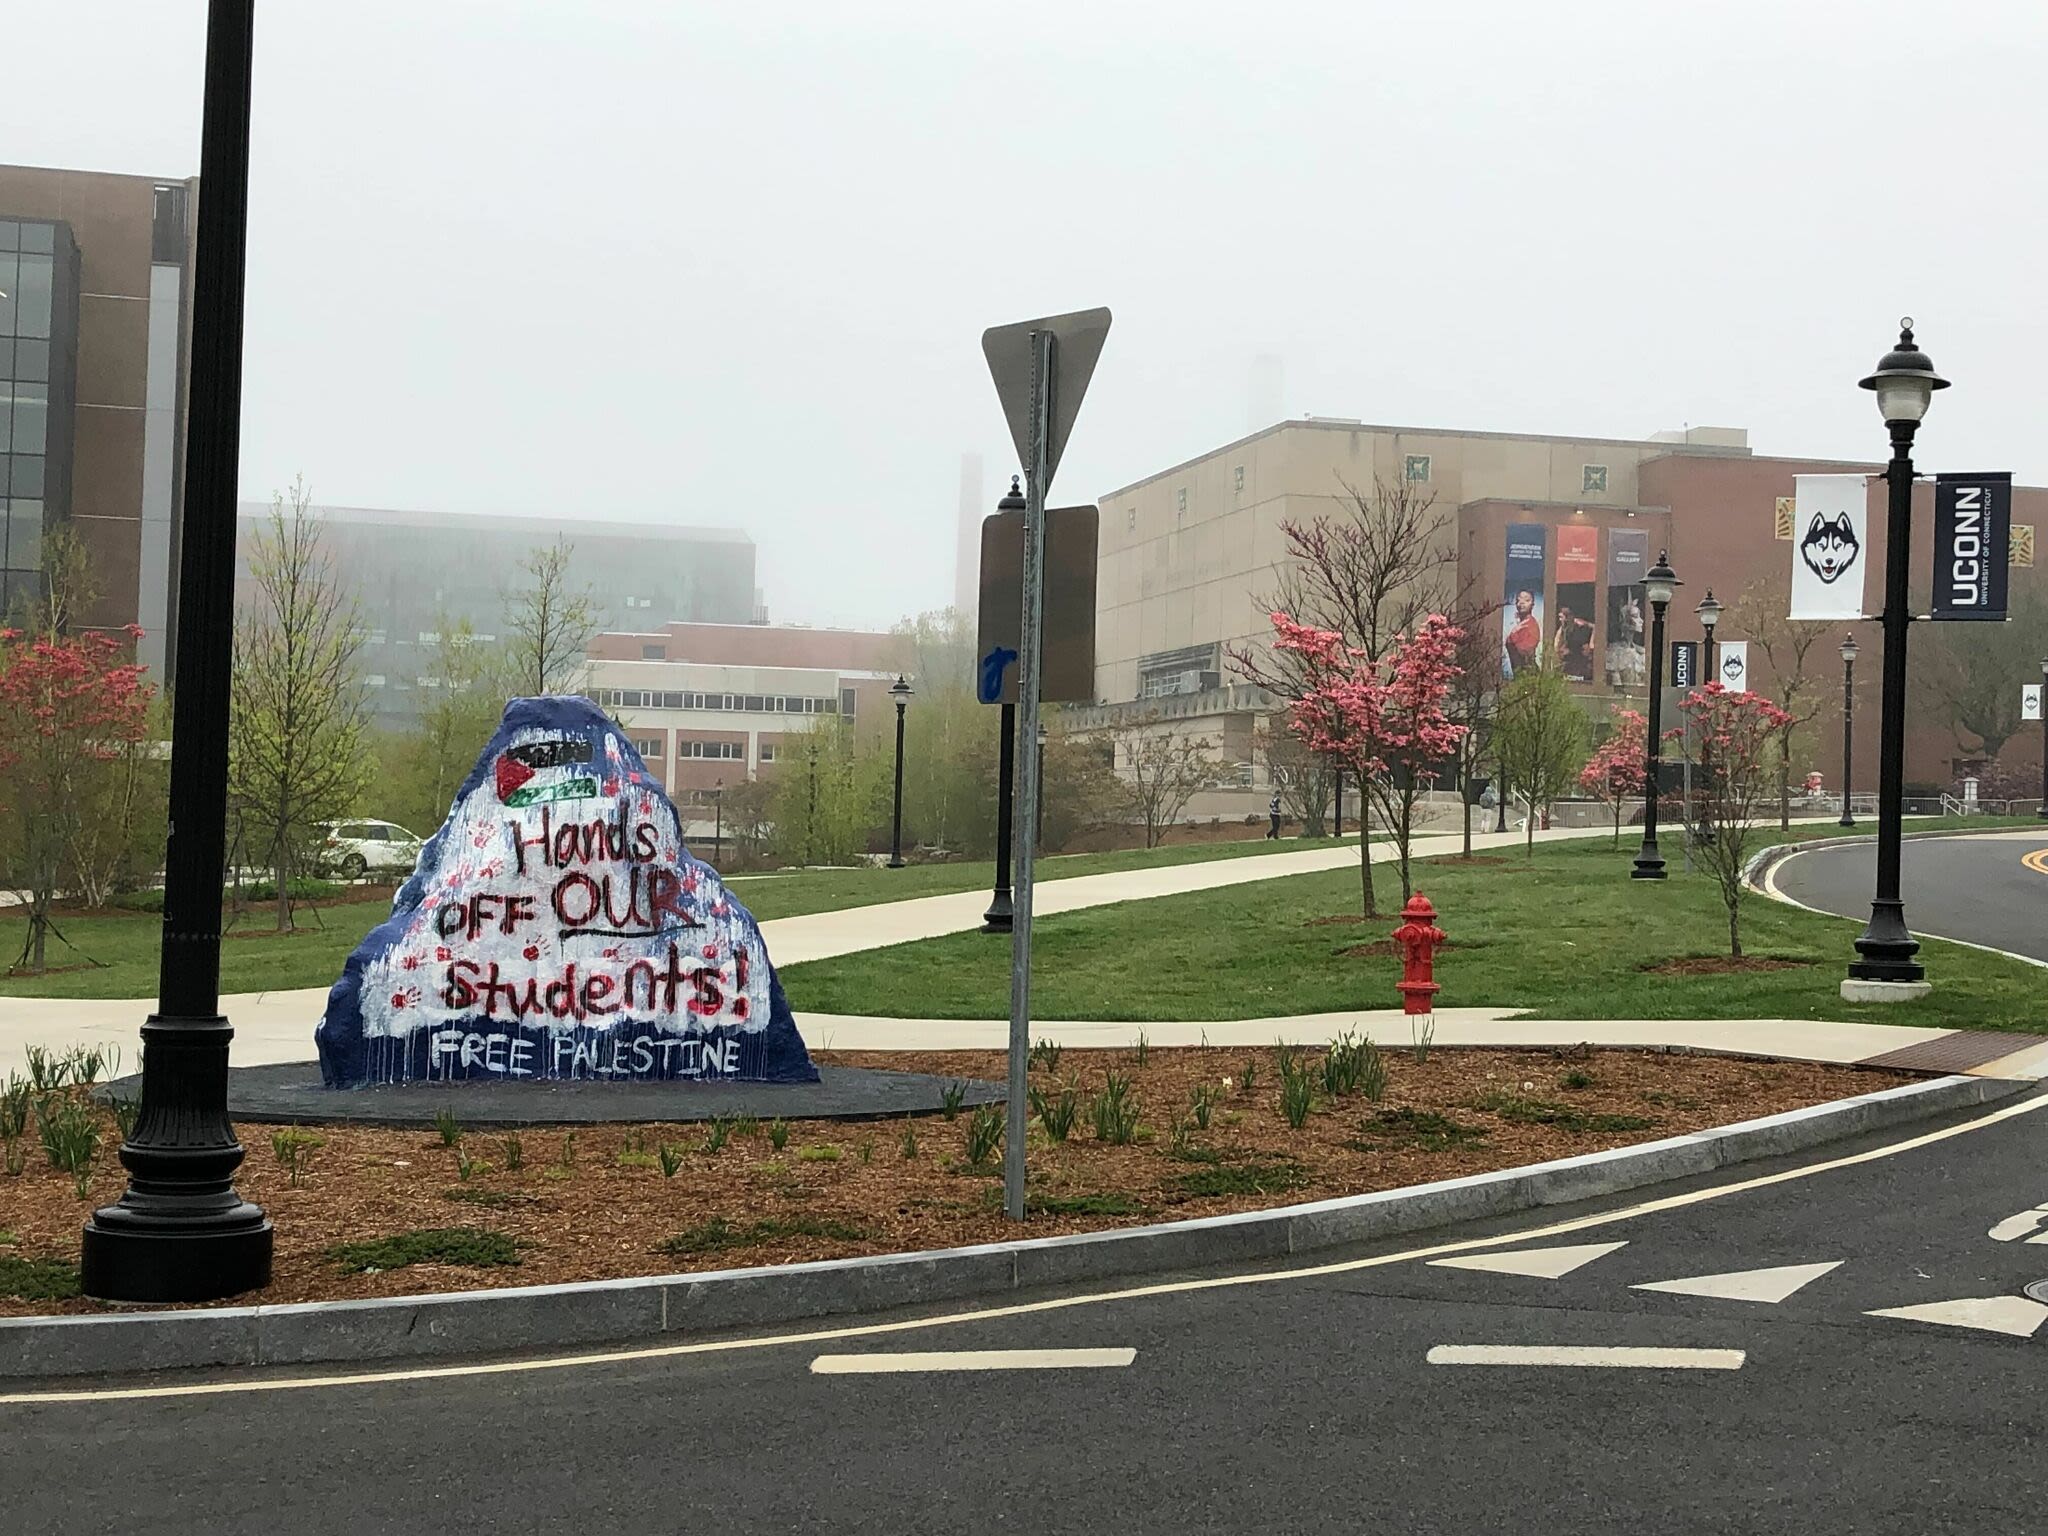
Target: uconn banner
[(1972, 532)]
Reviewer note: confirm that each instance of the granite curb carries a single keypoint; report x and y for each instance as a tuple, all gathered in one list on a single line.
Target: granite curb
[(618, 1312)]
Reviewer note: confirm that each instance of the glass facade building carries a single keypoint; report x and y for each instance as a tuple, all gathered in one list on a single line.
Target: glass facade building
[(38, 393)]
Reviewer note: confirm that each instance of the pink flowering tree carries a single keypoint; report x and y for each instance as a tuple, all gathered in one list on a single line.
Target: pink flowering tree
[(1384, 720), (1731, 737), (1613, 775)]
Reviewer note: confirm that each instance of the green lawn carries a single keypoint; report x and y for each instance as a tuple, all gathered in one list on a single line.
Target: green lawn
[(1565, 936), (254, 959)]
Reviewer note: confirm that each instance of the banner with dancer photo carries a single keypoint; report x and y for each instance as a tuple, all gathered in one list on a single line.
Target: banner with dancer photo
[(1829, 521), (1521, 612), (1578, 571), (1628, 556)]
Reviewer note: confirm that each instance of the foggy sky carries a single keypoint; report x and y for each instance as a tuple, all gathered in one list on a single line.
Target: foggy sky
[(730, 264)]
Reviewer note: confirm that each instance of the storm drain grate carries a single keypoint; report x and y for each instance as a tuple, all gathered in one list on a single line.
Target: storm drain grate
[(1959, 1052)]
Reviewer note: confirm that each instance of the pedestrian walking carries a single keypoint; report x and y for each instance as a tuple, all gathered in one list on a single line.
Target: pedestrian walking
[(1273, 816)]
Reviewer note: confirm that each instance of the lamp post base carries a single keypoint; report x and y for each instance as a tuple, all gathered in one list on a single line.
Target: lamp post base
[(179, 1232), (1885, 948), (1000, 914), (894, 863), (1649, 862)]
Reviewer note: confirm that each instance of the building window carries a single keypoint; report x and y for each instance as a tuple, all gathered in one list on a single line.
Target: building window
[(1783, 518), (1238, 476), (724, 751), (1130, 519), (1593, 480), (2022, 554), (846, 700), (654, 653), (767, 752), (374, 680), (1181, 499), (650, 749), (1415, 468)]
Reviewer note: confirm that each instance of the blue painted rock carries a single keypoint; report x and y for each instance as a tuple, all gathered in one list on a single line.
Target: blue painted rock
[(556, 927)]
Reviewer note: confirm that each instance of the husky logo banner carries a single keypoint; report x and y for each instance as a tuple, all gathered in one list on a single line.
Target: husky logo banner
[(1830, 516), (556, 927)]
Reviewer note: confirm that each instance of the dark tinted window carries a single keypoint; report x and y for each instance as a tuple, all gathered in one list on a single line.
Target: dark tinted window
[(38, 237)]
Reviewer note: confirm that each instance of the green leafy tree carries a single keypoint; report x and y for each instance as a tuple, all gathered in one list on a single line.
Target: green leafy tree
[(830, 793), (420, 769), (297, 724), (1541, 738), (1973, 673)]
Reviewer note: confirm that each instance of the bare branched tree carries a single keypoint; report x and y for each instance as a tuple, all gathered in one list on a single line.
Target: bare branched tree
[(1162, 770), (551, 622), (1541, 738), (297, 750)]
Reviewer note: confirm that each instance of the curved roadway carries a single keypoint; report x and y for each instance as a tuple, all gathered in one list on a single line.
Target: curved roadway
[(1983, 888)]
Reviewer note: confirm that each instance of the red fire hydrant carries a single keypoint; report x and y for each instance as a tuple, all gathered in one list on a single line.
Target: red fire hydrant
[(1417, 939)]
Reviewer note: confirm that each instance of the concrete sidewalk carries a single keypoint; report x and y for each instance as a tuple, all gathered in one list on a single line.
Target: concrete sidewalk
[(278, 1026)]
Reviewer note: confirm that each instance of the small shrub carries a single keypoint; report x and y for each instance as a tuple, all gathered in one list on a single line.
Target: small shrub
[(778, 1133), (1421, 1129), (746, 1125), (470, 1247), (984, 1133), (1141, 1052), (1078, 1205), (906, 1149), (449, 1128), (1353, 1065), (716, 1133), (671, 1155), (1515, 1108), (1421, 1035), (865, 1149), (1202, 1103), (1249, 1078), (37, 1279), (1266, 1178), (1057, 1114), (1046, 1054), (515, 1153), (467, 1167), (14, 1103), (1285, 1057), (125, 1112), (69, 1130), (47, 1072), (1177, 1143), (87, 1063), (14, 1154), (1297, 1094), (817, 1154), (1577, 1078), (1115, 1110), (293, 1147), (566, 1158), (951, 1097)]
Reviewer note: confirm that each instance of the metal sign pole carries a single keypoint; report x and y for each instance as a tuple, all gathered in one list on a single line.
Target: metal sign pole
[(1022, 842)]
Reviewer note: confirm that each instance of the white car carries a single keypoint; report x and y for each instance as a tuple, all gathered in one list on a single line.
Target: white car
[(355, 848)]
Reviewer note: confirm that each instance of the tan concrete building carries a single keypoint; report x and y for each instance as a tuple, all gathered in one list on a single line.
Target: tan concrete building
[(711, 704), (1189, 556)]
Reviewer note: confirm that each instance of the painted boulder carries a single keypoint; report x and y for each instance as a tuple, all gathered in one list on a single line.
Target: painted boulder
[(556, 927)]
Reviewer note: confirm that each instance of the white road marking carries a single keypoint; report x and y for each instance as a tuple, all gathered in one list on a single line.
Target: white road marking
[(2014, 1315), (973, 1360), (1538, 1263), (1766, 1285), (2020, 1226), (1598, 1357), (236, 1385)]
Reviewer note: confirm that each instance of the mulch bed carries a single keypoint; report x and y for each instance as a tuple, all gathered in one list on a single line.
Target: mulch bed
[(841, 1188), (1722, 965)]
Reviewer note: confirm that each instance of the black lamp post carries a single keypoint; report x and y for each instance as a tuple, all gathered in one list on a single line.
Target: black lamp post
[(998, 917), (1660, 584), (1905, 382), (1848, 722), (1709, 612), (900, 692), (2044, 739), (181, 1232)]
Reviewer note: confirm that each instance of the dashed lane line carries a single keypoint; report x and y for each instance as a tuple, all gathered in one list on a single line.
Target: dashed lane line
[(909, 1361), (1595, 1357)]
